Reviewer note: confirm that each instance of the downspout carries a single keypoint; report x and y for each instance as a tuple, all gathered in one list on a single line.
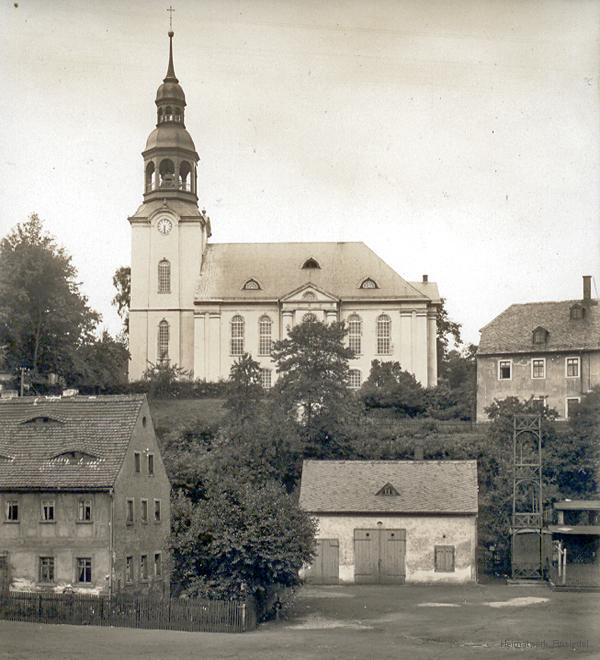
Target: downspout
[(111, 543)]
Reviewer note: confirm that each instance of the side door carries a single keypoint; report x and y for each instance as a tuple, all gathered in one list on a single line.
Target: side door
[(325, 567), (392, 556), (366, 556)]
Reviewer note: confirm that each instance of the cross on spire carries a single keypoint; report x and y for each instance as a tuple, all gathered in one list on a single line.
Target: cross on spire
[(170, 10)]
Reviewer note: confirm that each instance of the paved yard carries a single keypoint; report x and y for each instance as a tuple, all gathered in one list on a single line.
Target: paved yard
[(359, 622)]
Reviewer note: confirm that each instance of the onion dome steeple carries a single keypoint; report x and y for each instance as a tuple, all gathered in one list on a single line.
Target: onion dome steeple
[(170, 156)]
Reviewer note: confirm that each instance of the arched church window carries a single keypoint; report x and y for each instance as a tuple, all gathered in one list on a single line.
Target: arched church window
[(164, 276), (185, 173), (166, 170), (368, 283), (150, 176), (265, 326), (311, 263), (309, 295), (237, 335), (384, 332), (163, 343), (355, 334), (309, 317)]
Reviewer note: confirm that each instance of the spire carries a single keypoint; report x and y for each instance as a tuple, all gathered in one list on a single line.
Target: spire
[(170, 77)]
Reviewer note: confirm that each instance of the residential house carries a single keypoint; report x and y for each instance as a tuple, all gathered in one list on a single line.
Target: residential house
[(84, 495), (546, 350), (392, 521)]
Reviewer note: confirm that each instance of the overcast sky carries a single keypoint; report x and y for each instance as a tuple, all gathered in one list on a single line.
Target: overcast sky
[(455, 138)]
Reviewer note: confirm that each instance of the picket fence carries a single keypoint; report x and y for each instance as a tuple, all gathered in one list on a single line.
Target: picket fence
[(128, 611)]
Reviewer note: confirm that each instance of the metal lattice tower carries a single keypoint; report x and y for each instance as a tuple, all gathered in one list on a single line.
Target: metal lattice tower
[(527, 511)]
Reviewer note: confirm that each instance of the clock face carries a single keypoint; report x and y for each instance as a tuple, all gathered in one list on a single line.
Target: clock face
[(164, 226)]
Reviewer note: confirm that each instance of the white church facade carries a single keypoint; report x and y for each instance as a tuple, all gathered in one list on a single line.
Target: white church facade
[(200, 305)]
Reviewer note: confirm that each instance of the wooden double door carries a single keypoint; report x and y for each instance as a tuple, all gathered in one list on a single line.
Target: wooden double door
[(379, 556), (325, 568)]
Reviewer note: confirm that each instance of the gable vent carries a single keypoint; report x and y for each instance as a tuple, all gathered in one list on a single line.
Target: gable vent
[(311, 263), (388, 490)]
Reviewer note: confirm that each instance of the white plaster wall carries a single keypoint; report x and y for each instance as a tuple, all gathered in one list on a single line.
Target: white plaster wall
[(422, 534)]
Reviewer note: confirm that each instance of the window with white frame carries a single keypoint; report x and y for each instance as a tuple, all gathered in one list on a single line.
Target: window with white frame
[(504, 369), (265, 326), (237, 335), (265, 378), (163, 343), (384, 333), (11, 513), (354, 378), (84, 570), (164, 276), (48, 511), (538, 368), (355, 334), (572, 367), (46, 572), (84, 511)]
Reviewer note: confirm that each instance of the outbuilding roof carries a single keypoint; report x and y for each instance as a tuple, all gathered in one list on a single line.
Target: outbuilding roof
[(37, 433), (278, 269), (512, 331), (358, 487)]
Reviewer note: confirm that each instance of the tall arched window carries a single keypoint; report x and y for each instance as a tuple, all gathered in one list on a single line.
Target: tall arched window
[(164, 276), (264, 335), (163, 343), (166, 170), (237, 335), (149, 176), (354, 333), (185, 174), (384, 332)]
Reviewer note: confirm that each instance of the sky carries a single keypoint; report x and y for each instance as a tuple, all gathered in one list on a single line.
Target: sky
[(457, 138)]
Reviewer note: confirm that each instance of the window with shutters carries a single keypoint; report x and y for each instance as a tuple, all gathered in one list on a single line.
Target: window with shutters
[(355, 334), (384, 332), (444, 558), (264, 335), (237, 335), (164, 276)]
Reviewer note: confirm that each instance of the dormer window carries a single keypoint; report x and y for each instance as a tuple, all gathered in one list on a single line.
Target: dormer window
[(368, 283), (251, 285), (5, 459), (577, 312), (540, 336), (42, 420), (74, 458), (311, 263), (388, 490)]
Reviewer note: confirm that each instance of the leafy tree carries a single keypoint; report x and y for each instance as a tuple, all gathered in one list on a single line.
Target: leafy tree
[(242, 539), (44, 318), (446, 330), (101, 364), (244, 391), (455, 395), (122, 283), (312, 363), (389, 386), (161, 377)]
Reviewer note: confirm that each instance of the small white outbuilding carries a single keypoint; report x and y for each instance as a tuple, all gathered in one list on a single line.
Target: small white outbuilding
[(392, 521)]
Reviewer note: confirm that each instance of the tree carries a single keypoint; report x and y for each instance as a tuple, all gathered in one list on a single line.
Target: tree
[(101, 364), (455, 395), (244, 391), (446, 329), (312, 363), (389, 386), (44, 318), (122, 283), (241, 539)]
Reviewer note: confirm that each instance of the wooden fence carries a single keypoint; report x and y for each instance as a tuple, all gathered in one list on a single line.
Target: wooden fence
[(130, 611)]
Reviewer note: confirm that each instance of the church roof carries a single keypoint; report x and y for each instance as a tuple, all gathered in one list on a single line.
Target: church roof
[(416, 487), (278, 269), (37, 433), (512, 331)]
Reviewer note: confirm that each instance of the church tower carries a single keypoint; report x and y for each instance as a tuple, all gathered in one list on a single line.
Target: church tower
[(169, 235)]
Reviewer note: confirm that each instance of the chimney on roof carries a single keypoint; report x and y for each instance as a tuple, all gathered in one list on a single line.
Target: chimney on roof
[(419, 452), (425, 279), (587, 288)]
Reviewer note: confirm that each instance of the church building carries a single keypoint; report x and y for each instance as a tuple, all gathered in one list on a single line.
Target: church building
[(200, 305)]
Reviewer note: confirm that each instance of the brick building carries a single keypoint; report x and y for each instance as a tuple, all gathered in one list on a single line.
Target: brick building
[(84, 495), (392, 521), (546, 350)]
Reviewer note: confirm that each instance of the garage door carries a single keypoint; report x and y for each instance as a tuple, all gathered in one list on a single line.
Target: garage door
[(326, 565), (379, 556)]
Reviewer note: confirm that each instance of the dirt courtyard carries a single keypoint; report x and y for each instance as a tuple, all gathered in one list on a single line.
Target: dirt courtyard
[(359, 622)]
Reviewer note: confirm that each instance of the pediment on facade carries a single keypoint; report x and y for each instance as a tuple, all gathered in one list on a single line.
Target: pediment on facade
[(309, 293)]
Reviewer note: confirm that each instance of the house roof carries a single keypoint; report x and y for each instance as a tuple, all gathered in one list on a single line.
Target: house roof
[(277, 267), (99, 427), (512, 331), (422, 486)]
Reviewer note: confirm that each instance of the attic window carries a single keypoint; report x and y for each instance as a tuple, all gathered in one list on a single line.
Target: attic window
[(251, 285), (577, 312), (41, 419), (388, 490), (540, 336), (74, 458), (309, 295), (311, 263), (369, 284), (4, 458)]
